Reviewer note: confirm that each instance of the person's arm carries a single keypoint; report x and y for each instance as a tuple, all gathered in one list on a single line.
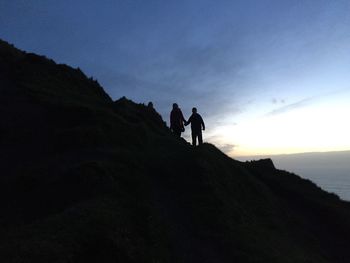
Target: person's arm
[(182, 118), (202, 122), (189, 121)]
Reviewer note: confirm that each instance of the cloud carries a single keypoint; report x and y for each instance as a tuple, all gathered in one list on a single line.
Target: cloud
[(227, 148), (278, 101), (219, 142), (304, 102), (290, 107)]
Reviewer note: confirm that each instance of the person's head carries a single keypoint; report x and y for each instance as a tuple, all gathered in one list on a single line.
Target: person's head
[(194, 110), (175, 106)]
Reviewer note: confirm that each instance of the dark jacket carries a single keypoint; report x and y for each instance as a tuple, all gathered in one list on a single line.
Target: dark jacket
[(196, 122), (176, 120)]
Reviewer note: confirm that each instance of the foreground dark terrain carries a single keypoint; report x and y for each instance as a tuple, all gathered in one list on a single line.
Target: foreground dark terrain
[(87, 179)]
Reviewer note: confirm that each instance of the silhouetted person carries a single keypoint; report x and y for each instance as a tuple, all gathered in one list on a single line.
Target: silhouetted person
[(177, 120), (197, 124)]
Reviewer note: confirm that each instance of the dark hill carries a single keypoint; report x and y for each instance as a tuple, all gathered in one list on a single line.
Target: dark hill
[(86, 179)]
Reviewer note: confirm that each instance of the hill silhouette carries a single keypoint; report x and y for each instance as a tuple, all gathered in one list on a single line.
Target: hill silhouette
[(88, 179)]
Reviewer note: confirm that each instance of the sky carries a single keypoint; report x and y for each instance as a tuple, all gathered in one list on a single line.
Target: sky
[(267, 76)]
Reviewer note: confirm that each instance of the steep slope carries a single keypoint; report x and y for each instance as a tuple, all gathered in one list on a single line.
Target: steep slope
[(86, 179)]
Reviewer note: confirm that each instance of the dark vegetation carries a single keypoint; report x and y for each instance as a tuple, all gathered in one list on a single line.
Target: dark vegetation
[(87, 179)]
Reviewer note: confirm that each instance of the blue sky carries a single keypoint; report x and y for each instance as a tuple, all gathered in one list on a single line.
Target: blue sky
[(267, 76)]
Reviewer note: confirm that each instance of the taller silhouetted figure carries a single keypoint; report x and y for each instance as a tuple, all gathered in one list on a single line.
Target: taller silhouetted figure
[(177, 120), (197, 124)]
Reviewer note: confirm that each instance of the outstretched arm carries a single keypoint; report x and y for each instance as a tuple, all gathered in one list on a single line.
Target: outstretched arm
[(189, 121), (183, 119)]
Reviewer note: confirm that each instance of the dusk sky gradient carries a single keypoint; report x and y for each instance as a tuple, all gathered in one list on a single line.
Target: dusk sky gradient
[(268, 77)]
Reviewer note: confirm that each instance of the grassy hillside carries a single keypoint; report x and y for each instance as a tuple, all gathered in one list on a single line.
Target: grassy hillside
[(87, 179)]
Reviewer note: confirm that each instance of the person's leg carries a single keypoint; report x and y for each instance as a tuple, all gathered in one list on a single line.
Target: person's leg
[(194, 141), (200, 138)]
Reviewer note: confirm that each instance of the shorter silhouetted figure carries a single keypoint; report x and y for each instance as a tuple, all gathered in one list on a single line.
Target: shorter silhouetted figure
[(150, 105), (177, 120), (197, 124)]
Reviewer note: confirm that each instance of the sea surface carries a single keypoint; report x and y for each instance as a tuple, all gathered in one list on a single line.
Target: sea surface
[(330, 170)]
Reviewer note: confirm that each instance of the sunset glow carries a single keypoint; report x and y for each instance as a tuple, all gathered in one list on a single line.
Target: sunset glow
[(317, 127)]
